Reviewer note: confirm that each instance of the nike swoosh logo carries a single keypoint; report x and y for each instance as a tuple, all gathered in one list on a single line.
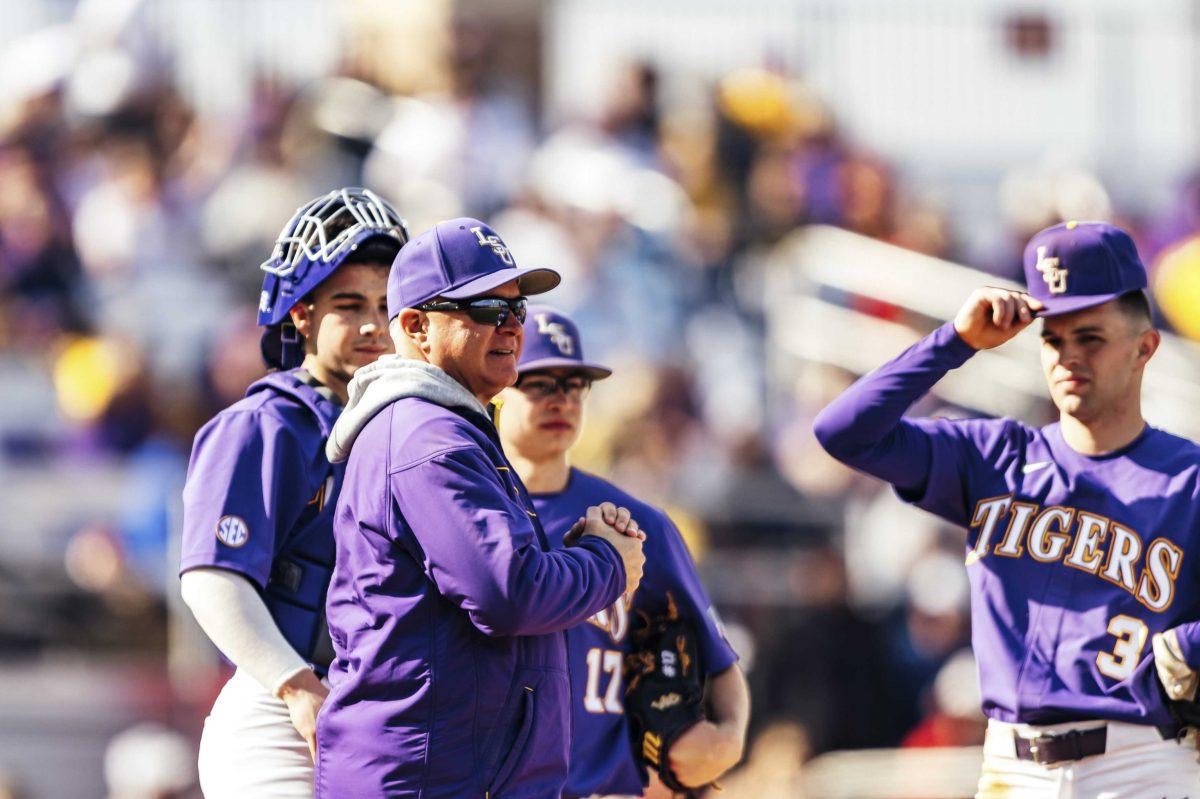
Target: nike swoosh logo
[(1030, 468)]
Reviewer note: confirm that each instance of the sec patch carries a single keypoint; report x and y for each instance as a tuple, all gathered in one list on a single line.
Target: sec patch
[(232, 531)]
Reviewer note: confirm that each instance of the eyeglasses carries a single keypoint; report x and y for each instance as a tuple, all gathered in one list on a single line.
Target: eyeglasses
[(545, 386), (491, 311)]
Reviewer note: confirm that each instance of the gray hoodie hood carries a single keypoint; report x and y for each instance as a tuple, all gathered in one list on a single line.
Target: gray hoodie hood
[(379, 384)]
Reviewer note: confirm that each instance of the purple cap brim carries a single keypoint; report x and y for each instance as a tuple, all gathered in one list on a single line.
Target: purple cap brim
[(593, 370), (1057, 306), (534, 280)]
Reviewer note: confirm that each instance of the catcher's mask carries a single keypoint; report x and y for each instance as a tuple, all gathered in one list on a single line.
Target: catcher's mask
[(345, 225)]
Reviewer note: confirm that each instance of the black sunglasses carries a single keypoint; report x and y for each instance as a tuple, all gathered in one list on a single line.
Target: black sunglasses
[(546, 386), (491, 311)]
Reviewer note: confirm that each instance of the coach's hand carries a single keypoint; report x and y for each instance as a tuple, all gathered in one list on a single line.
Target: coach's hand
[(304, 694), (705, 752), (992, 316), (618, 518), (626, 538)]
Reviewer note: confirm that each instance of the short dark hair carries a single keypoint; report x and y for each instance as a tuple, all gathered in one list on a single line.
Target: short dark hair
[(375, 250), (1136, 305)]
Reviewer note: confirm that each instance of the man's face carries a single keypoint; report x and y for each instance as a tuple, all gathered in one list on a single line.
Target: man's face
[(481, 357), (540, 420), (345, 325), (1093, 360)]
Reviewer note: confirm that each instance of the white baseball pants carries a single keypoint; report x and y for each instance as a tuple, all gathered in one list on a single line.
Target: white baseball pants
[(249, 748), (1137, 764)]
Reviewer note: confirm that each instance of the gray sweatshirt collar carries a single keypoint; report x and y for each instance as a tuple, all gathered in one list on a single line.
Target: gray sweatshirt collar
[(378, 384)]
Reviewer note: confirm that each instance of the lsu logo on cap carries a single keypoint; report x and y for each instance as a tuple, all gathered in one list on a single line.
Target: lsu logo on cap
[(495, 243), (232, 531), (1054, 275), (557, 333)]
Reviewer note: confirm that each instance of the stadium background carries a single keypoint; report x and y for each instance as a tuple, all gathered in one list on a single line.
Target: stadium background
[(751, 204)]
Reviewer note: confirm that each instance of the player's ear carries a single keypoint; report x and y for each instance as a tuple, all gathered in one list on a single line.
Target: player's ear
[(1148, 345), (301, 315)]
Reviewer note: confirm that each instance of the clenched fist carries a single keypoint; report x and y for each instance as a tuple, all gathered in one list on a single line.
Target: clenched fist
[(615, 526)]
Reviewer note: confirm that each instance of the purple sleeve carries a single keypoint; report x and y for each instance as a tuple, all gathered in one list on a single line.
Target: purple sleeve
[(1188, 636), (479, 545), (931, 462), (865, 428), (693, 601), (246, 483)]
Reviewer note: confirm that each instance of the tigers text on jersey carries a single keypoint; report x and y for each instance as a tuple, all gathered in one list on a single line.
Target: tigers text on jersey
[(602, 758), (1074, 561)]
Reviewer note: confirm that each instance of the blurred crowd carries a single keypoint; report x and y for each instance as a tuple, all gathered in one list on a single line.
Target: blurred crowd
[(132, 226)]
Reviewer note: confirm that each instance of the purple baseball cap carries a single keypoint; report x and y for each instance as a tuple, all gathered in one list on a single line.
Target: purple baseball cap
[(552, 342), (457, 259), (1079, 265)]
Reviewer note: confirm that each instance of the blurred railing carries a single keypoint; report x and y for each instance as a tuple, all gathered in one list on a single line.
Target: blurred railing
[(940, 773), (815, 275)]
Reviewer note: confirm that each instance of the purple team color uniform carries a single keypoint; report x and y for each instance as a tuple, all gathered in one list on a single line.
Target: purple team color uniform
[(259, 501), (602, 757), (447, 609), (1074, 561)]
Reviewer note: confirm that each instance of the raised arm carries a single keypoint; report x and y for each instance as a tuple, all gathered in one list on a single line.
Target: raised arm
[(865, 428)]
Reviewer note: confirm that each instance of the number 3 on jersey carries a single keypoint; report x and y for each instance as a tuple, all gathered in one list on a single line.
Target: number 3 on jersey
[(1131, 640), (599, 662)]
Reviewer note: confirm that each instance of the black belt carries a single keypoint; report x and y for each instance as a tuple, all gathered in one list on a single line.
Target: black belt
[(1057, 747), (1075, 744)]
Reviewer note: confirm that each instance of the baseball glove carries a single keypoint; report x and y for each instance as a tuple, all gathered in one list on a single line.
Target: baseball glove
[(664, 696)]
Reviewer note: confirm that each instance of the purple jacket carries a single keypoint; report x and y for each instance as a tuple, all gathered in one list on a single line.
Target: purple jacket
[(447, 605)]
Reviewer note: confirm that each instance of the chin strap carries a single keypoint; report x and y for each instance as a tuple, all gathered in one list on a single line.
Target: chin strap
[(292, 345), (282, 346)]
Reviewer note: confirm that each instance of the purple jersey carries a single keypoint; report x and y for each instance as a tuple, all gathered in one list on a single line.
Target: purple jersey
[(1074, 561), (602, 758), (259, 501)]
